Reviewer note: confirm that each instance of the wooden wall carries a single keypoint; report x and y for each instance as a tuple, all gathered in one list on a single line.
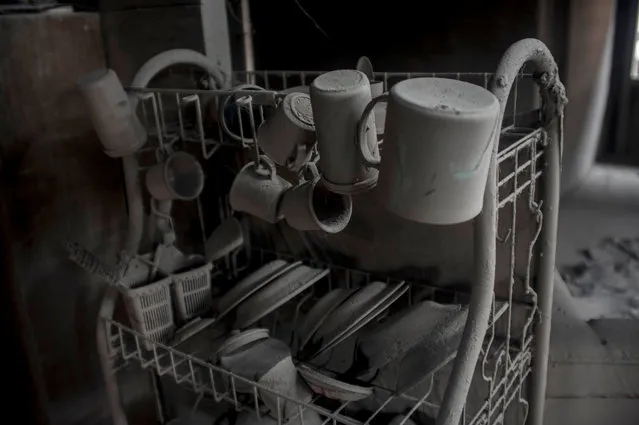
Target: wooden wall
[(58, 184)]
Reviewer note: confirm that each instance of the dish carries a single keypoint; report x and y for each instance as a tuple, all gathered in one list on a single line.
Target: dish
[(240, 339), (252, 283), (385, 300), (349, 311), (318, 314), (190, 329), (332, 388), (427, 324), (432, 354), (276, 293)]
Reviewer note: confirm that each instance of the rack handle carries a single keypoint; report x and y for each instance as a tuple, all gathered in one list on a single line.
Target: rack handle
[(485, 234)]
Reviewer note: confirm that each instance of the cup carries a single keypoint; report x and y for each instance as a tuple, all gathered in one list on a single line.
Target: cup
[(311, 206), (257, 190), (179, 177), (339, 99), (268, 362), (113, 117), (438, 141), (283, 379), (289, 134), (235, 117)]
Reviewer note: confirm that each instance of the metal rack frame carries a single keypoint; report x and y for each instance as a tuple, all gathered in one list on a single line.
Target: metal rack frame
[(513, 368)]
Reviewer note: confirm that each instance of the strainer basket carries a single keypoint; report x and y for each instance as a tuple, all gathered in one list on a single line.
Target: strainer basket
[(192, 291), (150, 311)]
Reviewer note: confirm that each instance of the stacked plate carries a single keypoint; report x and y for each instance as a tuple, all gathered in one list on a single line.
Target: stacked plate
[(416, 342), (328, 386), (341, 313), (278, 292), (251, 284)]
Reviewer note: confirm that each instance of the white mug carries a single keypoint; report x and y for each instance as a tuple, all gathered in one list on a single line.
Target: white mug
[(288, 135), (438, 140), (339, 99), (311, 206), (113, 117), (179, 177), (257, 190)]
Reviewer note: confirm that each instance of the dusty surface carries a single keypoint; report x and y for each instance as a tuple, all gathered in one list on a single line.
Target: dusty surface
[(605, 282)]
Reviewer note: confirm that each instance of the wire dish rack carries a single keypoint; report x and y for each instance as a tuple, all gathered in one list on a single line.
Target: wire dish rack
[(514, 242)]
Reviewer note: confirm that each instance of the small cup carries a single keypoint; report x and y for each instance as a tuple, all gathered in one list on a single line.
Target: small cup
[(268, 361), (311, 206), (179, 177), (113, 117), (283, 379), (287, 136), (235, 118), (339, 99), (257, 190)]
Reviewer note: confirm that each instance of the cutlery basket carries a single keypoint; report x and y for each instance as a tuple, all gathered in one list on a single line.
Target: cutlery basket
[(150, 311), (192, 292)]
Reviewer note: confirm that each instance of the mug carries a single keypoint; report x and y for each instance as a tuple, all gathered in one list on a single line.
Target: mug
[(179, 177), (339, 99), (234, 117), (257, 190), (289, 134), (311, 206), (438, 141), (268, 362), (113, 117)]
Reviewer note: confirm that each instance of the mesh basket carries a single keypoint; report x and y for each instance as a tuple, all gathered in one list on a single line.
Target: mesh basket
[(193, 292), (150, 311)]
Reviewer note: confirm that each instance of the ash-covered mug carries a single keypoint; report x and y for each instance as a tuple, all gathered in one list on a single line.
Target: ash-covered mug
[(311, 206), (257, 190), (438, 141), (112, 114), (339, 99), (268, 362), (180, 177), (288, 135)]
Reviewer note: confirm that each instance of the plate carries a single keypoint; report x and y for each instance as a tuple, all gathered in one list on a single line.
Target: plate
[(426, 322), (277, 293), (190, 329), (385, 300), (239, 340), (348, 312), (251, 284), (320, 311), (432, 354), (332, 388)]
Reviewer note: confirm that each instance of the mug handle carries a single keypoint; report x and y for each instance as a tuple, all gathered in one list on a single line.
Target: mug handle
[(311, 168), (268, 171), (367, 155)]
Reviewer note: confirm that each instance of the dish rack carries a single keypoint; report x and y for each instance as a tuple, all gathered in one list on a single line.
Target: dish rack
[(513, 326)]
